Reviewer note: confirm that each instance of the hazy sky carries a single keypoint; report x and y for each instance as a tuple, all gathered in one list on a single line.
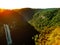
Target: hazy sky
[(29, 3)]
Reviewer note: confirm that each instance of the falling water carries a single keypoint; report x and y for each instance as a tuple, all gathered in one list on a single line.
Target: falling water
[(8, 36)]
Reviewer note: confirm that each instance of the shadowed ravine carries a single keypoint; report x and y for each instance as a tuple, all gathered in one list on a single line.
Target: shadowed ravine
[(21, 31)]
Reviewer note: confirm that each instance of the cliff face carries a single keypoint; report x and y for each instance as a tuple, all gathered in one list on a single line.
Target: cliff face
[(21, 31)]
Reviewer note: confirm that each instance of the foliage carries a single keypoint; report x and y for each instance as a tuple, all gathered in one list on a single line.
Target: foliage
[(45, 21)]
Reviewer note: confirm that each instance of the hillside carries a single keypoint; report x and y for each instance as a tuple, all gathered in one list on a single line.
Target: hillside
[(47, 22)]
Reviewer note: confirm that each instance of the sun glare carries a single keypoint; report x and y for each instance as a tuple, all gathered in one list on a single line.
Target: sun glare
[(1, 10)]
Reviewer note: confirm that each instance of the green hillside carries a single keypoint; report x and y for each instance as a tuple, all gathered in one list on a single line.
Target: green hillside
[(45, 17), (45, 21)]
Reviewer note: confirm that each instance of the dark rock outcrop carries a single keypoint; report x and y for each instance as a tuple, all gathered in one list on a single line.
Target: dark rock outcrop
[(21, 31)]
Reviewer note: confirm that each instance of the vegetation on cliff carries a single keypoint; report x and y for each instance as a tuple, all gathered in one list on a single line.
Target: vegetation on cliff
[(47, 22)]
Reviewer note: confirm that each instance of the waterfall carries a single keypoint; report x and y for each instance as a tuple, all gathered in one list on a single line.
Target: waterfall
[(8, 35)]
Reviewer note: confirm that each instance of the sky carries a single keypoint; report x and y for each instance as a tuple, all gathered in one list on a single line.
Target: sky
[(13, 4)]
